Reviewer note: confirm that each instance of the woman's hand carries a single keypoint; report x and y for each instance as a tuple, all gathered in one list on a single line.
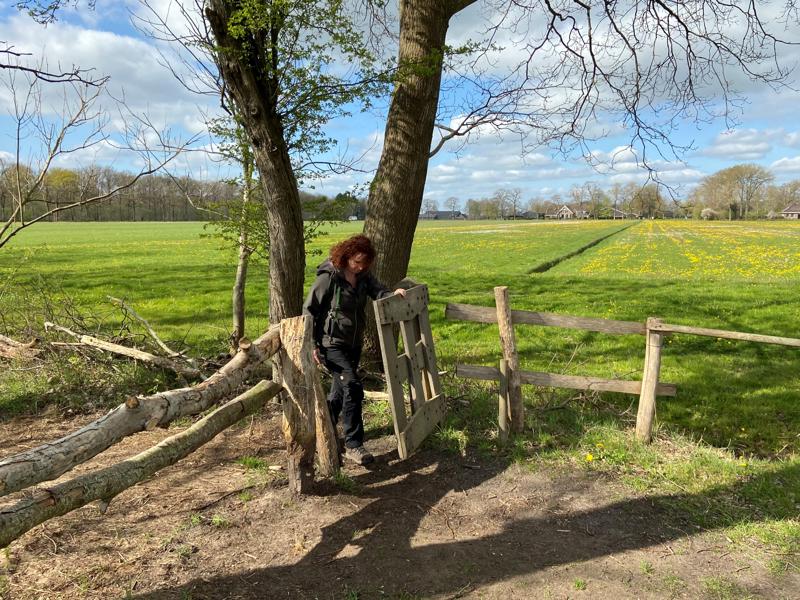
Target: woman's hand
[(400, 292), (315, 355)]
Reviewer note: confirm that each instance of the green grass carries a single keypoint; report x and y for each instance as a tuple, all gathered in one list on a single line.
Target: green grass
[(252, 463), (720, 588), (727, 447)]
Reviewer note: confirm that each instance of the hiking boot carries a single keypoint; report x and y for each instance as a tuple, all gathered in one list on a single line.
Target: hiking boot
[(358, 455)]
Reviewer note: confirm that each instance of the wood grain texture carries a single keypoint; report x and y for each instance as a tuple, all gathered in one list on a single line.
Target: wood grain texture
[(508, 343), (485, 314)]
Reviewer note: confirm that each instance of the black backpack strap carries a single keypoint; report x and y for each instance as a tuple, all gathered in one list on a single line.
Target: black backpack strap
[(334, 297)]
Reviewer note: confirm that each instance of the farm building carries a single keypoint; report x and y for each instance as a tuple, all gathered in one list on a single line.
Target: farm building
[(569, 212), (792, 211)]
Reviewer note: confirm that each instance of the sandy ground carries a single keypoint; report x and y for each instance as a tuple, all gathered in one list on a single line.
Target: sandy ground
[(434, 526)]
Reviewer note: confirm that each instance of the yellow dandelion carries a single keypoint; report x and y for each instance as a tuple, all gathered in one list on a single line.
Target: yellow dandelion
[(589, 457)]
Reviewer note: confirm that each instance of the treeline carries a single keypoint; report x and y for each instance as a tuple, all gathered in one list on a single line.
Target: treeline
[(589, 200), (743, 191), (151, 198)]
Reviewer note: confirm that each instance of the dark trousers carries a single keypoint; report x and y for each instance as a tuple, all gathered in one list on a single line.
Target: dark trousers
[(347, 393)]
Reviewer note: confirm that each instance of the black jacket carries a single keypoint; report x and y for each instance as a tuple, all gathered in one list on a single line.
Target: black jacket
[(338, 308)]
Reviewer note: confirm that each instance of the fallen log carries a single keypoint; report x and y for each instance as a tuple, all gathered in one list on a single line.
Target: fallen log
[(13, 349), (51, 460), (107, 483), (183, 370)]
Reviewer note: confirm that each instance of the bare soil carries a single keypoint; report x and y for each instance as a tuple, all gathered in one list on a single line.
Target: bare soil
[(434, 526)]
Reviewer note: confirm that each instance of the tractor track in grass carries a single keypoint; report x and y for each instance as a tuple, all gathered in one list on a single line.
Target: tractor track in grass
[(547, 265)]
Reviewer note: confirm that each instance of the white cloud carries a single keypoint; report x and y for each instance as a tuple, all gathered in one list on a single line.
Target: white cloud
[(786, 165), (133, 65), (741, 144)]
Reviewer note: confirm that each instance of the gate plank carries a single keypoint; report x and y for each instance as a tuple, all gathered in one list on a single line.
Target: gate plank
[(416, 365), (390, 363), (421, 424)]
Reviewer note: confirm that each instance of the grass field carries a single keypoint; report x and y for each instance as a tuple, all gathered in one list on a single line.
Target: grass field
[(729, 442)]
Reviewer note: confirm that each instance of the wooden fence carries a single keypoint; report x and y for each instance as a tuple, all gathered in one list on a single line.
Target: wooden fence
[(511, 377)]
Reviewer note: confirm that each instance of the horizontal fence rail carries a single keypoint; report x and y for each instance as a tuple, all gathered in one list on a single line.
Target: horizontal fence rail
[(487, 314), (574, 382), (511, 377), (727, 335)]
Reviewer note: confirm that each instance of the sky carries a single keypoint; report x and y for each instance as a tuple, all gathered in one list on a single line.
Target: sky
[(762, 128)]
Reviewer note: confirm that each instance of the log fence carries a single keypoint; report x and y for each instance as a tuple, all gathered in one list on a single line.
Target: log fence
[(511, 377), (307, 427)]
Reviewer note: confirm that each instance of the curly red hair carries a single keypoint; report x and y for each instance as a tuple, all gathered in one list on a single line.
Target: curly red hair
[(346, 249)]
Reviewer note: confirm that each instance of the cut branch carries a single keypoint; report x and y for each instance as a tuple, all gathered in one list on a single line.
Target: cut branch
[(107, 483), (50, 460), (159, 361), (129, 310)]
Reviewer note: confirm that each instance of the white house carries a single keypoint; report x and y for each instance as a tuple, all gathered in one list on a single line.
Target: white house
[(792, 211)]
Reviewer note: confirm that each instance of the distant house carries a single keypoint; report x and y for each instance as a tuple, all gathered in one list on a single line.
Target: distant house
[(792, 211), (442, 215), (569, 212)]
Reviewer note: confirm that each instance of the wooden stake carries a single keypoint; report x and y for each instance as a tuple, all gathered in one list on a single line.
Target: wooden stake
[(327, 446), (647, 399), (299, 404), (502, 403), (508, 342)]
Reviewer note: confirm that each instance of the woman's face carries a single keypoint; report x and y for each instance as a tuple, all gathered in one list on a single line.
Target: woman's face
[(358, 263)]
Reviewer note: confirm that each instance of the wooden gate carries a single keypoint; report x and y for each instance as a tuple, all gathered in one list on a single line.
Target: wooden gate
[(414, 369)]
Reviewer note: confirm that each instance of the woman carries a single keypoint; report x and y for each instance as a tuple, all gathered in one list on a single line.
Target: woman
[(336, 302)]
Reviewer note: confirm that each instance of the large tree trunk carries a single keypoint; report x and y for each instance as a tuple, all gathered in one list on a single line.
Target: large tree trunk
[(395, 197), (254, 93), (108, 482), (48, 461)]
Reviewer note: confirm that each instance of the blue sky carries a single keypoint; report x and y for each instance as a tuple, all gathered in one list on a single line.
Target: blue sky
[(764, 129)]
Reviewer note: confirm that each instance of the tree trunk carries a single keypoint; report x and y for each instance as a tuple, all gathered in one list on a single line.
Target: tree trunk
[(108, 482), (395, 197), (238, 300), (254, 94), (48, 461), (238, 297)]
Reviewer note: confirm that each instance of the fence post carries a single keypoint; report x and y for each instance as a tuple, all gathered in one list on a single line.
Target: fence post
[(647, 398), (502, 403), (303, 392), (508, 342)]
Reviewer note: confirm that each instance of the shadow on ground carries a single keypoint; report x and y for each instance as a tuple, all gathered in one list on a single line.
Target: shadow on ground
[(382, 550)]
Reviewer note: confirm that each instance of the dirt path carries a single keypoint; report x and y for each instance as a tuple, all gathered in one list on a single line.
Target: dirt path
[(435, 526)]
